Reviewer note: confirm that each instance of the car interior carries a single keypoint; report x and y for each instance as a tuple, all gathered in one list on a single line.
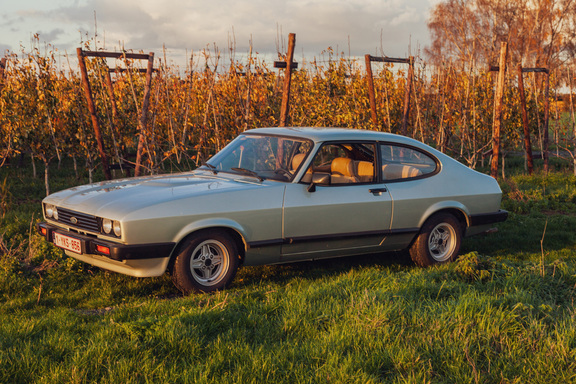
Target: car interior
[(353, 163)]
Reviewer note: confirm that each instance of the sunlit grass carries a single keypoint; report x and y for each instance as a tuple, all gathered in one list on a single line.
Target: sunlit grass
[(504, 313)]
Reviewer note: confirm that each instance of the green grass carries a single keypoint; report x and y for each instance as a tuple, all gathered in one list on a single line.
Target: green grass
[(504, 313)]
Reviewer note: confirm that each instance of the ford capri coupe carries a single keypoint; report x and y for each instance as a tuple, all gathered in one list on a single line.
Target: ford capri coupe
[(277, 195)]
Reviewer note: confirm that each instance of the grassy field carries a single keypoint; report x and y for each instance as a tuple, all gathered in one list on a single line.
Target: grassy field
[(504, 313)]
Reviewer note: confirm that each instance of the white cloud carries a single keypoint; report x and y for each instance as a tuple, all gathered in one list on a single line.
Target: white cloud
[(194, 24), (406, 17)]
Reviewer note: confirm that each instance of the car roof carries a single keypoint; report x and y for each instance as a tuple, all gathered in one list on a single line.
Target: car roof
[(320, 134)]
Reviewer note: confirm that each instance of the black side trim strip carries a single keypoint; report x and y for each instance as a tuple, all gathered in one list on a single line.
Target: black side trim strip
[(488, 218), (265, 243), (330, 237)]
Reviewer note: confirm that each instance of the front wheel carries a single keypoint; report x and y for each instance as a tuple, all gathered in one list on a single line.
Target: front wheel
[(438, 241), (207, 262)]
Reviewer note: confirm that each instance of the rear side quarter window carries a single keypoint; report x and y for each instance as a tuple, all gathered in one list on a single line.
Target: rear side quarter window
[(401, 163)]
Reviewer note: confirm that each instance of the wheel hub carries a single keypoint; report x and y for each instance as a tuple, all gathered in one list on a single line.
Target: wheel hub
[(209, 262), (442, 242)]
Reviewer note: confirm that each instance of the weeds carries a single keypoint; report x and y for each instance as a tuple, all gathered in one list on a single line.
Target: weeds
[(474, 267)]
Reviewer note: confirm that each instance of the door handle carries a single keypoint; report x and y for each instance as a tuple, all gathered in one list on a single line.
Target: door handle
[(377, 191)]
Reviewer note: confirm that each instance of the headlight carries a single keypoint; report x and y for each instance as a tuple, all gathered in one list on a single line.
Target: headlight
[(51, 212), (117, 229), (107, 226), (111, 225)]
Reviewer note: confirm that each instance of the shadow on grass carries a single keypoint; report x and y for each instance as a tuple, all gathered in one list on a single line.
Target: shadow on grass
[(319, 269)]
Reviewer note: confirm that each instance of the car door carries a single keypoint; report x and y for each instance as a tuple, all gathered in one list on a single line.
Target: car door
[(347, 211), (408, 173)]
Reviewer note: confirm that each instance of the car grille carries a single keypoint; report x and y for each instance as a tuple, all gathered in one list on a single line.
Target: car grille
[(78, 220)]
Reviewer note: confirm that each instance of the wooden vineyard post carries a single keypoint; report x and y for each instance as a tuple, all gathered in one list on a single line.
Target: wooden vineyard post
[(142, 119), (285, 107), (546, 117), (111, 96), (94, 117), (142, 122), (496, 127), (407, 93), (371, 94), (527, 144)]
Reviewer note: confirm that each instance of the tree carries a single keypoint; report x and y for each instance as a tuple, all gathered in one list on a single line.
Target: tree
[(470, 31)]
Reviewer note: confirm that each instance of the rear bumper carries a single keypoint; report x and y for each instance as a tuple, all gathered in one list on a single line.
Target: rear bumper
[(488, 218), (118, 252)]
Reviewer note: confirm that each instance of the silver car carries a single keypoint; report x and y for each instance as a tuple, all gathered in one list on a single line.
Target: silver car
[(277, 195)]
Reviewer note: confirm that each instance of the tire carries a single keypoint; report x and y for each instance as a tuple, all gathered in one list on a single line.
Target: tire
[(207, 262), (438, 241)]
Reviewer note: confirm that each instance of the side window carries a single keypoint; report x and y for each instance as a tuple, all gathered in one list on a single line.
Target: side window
[(402, 162), (343, 163)]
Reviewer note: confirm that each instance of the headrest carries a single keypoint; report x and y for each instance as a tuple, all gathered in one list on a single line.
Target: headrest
[(342, 166), (297, 160), (365, 168)]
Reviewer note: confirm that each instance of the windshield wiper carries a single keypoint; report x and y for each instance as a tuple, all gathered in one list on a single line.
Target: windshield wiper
[(248, 172), (210, 167)]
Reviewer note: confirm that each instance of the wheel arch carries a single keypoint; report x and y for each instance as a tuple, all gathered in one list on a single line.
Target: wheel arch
[(454, 208), (228, 227)]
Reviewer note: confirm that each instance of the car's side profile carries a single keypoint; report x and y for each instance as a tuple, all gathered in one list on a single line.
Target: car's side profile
[(277, 195)]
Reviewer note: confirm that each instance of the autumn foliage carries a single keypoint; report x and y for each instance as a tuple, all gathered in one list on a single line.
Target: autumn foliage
[(194, 113)]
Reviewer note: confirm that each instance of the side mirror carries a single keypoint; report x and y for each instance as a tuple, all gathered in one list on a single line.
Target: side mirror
[(321, 179)]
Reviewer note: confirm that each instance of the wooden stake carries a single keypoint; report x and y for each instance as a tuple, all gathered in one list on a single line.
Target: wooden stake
[(285, 108), (546, 117), (142, 121), (371, 94), (369, 59), (407, 93), (92, 109), (112, 97), (527, 143), (498, 110)]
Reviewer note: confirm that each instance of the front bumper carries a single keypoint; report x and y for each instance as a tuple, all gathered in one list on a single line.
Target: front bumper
[(116, 251)]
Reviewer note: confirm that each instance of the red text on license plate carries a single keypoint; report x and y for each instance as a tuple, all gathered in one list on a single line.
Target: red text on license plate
[(67, 243)]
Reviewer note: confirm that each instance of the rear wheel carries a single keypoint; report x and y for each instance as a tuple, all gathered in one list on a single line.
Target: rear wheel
[(438, 241), (207, 262)]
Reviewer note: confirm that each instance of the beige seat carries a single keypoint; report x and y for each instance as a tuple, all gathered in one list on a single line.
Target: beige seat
[(297, 160), (365, 171), (342, 171), (399, 171)]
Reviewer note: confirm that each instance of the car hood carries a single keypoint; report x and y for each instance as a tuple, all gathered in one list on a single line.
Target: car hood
[(116, 198)]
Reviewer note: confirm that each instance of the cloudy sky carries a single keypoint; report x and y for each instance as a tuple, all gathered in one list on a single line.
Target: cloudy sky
[(395, 28)]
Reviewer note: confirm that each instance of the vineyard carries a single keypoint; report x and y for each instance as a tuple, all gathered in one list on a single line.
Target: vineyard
[(195, 112)]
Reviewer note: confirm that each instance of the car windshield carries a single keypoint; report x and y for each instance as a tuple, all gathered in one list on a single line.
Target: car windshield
[(261, 156)]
